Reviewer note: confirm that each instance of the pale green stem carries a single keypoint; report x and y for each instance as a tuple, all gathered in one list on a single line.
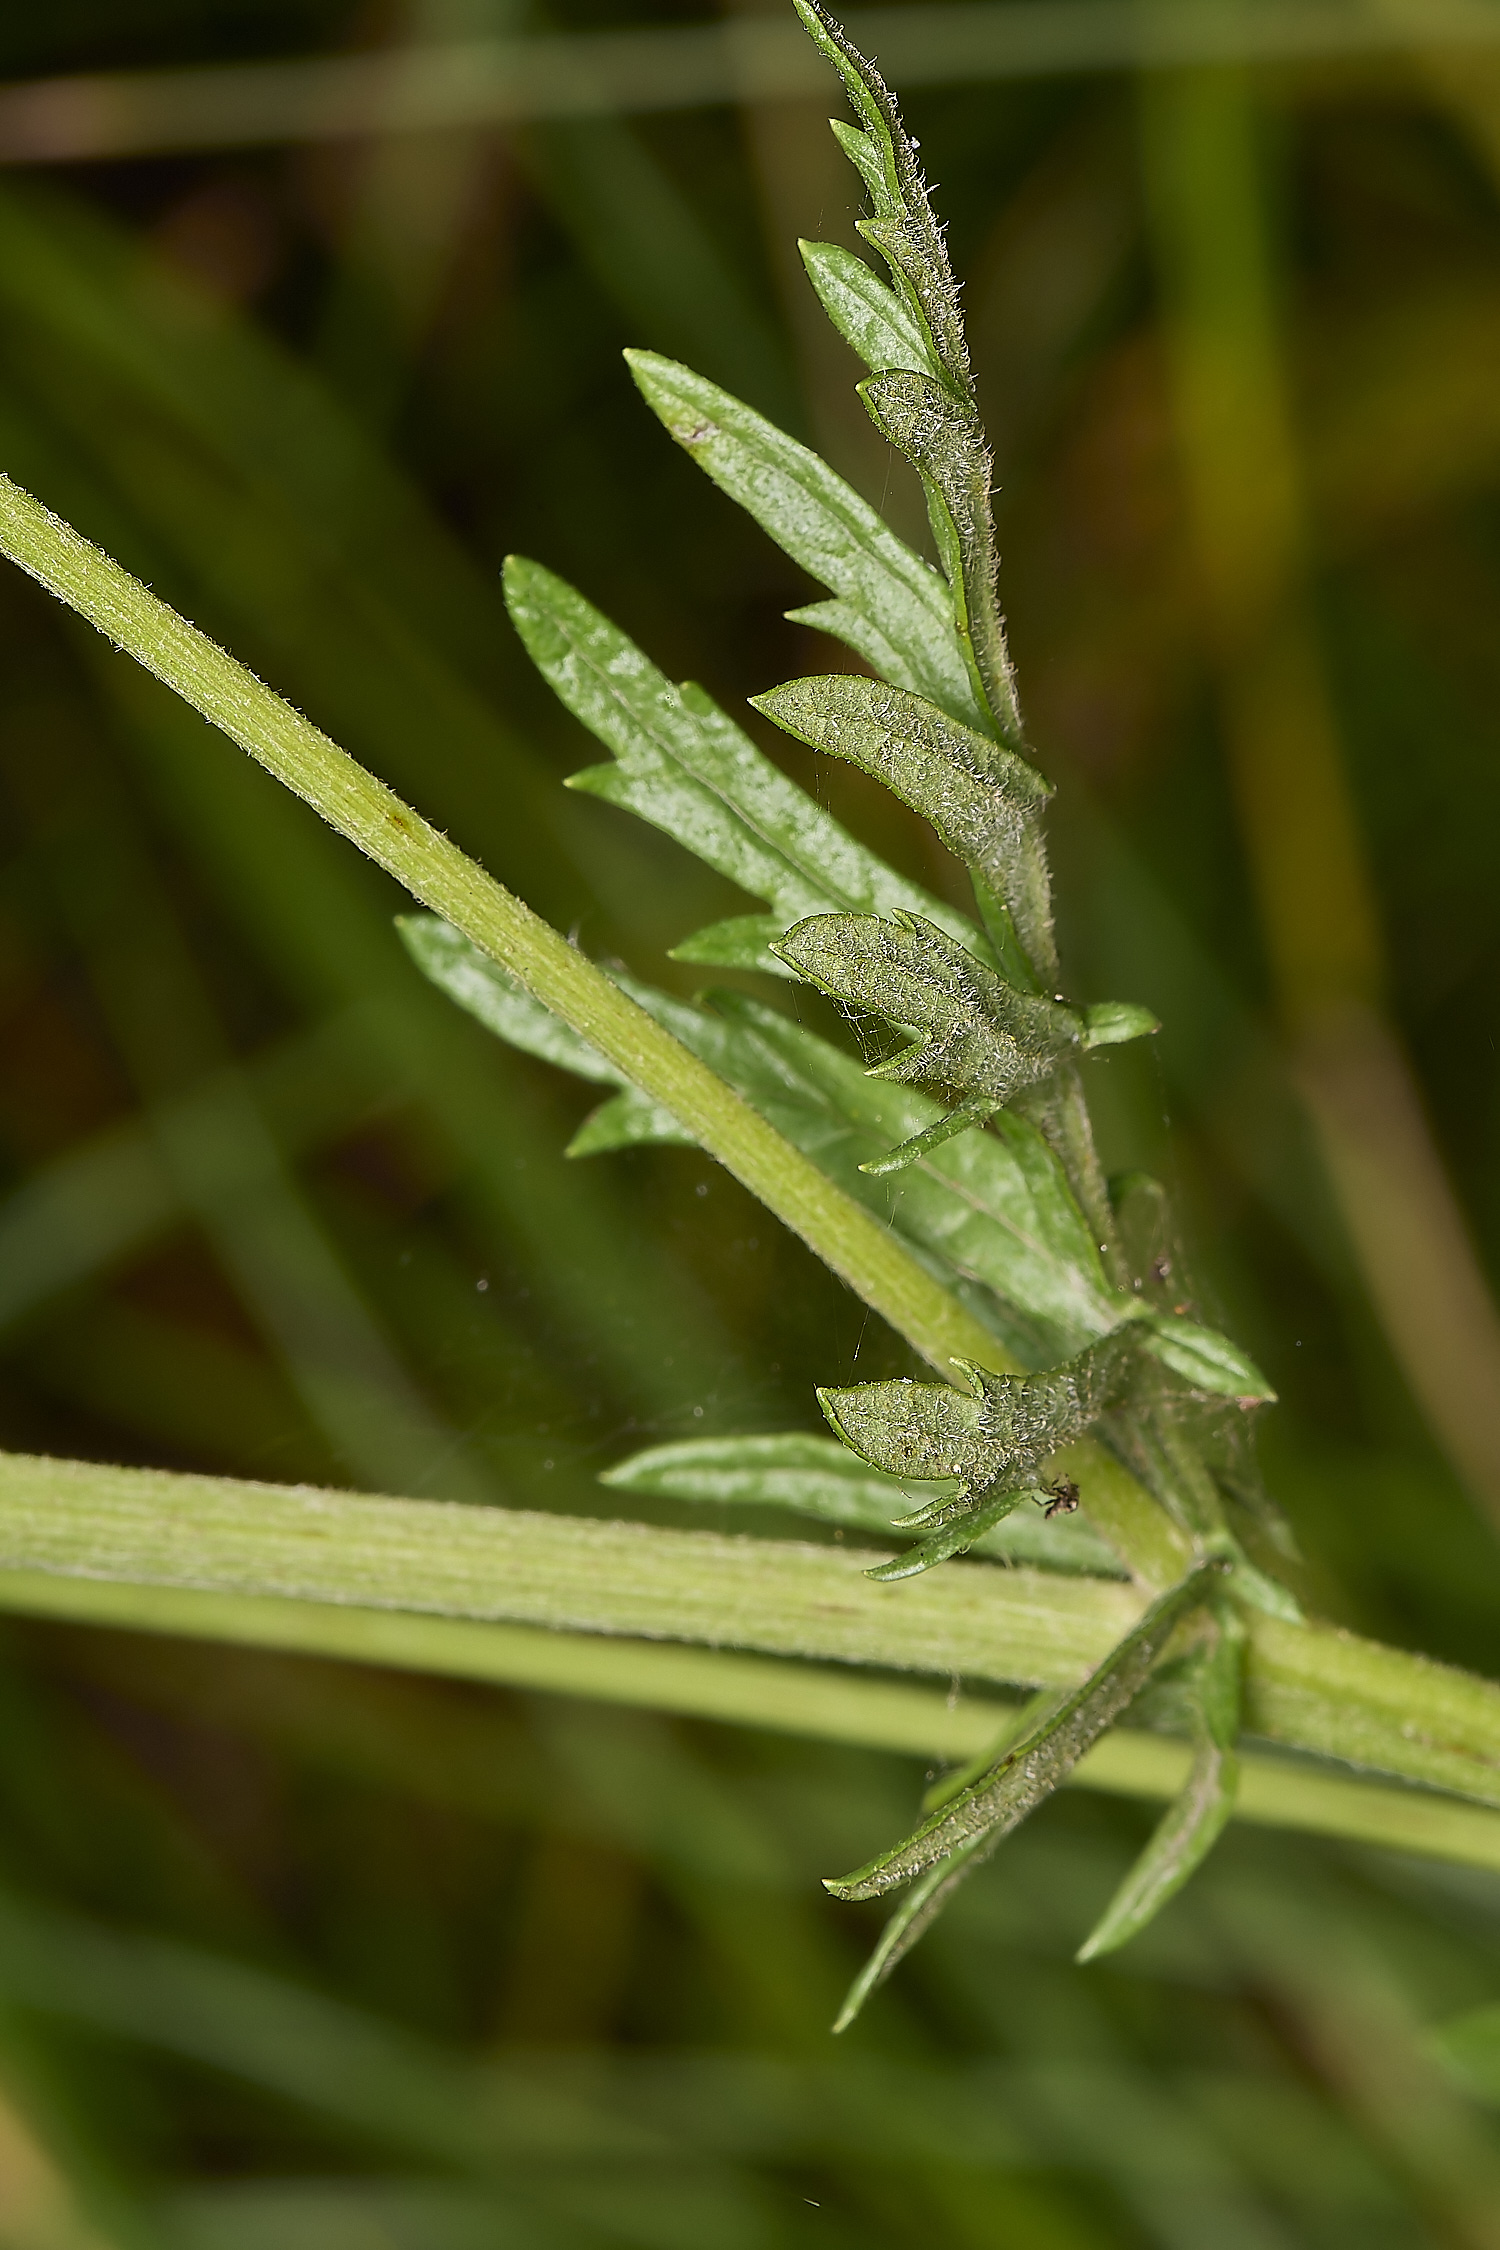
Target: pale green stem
[(862, 1252), (856, 1246), (424, 1577)]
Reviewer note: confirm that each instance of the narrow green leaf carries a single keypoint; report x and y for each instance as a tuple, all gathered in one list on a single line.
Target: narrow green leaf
[(942, 437), (961, 1120), (899, 608), (975, 1031), (1109, 1023), (630, 1119), (1000, 1433), (1191, 1826), (814, 1476), (982, 799), (819, 1478), (1204, 1358), (1035, 1764), (867, 156), (955, 1538), (915, 1914), (741, 941), (870, 317), (1022, 1718), (888, 165)]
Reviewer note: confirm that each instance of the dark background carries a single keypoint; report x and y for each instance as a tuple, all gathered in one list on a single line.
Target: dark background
[(299, 1954)]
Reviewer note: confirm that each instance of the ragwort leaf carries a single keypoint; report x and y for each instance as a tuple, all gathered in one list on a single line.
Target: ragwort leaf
[(954, 1538), (1033, 1766), (941, 436), (887, 163), (991, 1215), (819, 1478), (1193, 1823), (890, 605), (1206, 1359), (682, 764), (871, 318), (630, 1119), (1110, 1023), (998, 1433), (914, 1915), (975, 1031), (982, 799)]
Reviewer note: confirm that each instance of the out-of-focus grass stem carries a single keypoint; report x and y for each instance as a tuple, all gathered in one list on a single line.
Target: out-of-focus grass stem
[(1244, 484)]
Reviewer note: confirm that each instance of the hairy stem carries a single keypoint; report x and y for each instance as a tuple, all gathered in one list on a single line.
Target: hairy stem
[(443, 1588)]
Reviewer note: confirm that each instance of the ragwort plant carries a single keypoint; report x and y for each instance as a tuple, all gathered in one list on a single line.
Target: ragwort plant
[(1087, 1424)]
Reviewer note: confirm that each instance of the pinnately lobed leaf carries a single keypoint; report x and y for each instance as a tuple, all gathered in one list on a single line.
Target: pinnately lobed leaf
[(890, 607), (992, 1214), (928, 414), (682, 764), (982, 799), (987, 1022), (1000, 1433), (1005, 1231), (886, 160), (977, 1033)]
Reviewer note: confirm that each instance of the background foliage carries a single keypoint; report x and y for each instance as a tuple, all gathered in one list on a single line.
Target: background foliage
[(293, 1953)]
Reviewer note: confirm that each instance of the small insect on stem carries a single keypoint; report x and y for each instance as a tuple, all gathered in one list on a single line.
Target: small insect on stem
[(1062, 1498)]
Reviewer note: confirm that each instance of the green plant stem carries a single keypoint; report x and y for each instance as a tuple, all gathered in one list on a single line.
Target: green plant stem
[(411, 1581), (859, 1250), (782, 1696), (862, 1252)]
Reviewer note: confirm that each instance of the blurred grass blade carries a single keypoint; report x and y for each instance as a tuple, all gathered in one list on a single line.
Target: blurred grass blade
[(1468, 2048), (651, 250), (436, 86)]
